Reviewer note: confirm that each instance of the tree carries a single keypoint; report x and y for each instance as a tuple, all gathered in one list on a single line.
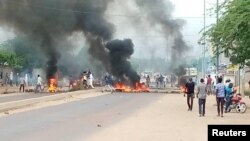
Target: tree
[(24, 55), (231, 34), (10, 59)]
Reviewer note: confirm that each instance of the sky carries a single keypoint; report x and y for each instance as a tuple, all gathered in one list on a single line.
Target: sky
[(147, 40)]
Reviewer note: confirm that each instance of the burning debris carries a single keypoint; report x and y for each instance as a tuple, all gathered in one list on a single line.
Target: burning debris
[(138, 87), (119, 53), (52, 87)]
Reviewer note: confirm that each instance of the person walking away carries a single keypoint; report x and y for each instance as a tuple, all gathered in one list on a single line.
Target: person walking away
[(229, 94), (201, 95), (220, 95), (209, 85), (38, 84), (190, 93), (22, 84)]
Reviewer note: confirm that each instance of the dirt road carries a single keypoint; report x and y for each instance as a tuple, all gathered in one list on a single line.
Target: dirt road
[(117, 117)]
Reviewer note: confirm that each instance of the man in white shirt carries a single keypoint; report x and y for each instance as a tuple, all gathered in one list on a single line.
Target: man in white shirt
[(11, 78), (90, 79), (39, 83)]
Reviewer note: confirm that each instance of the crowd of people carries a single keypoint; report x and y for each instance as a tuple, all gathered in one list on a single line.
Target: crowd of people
[(158, 81), (222, 91)]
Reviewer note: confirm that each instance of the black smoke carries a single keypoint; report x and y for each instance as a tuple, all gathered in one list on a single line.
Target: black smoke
[(50, 22), (119, 53), (159, 12)]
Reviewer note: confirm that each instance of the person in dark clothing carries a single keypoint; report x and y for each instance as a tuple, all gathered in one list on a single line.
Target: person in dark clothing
[(190, 93)]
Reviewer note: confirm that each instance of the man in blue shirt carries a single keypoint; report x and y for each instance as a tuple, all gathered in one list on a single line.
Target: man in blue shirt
[(220, 95)]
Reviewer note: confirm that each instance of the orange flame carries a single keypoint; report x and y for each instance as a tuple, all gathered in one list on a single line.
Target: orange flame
[(138, 87), (52, 85)]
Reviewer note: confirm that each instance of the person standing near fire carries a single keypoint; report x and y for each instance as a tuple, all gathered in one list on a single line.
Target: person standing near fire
[(38, 84), (190, 85), (11, 78), (90, 80), (71, 82), (148, 81), (108, 83), (22, 84)]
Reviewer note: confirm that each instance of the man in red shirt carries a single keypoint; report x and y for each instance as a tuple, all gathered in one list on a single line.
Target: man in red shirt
[(209, 85)]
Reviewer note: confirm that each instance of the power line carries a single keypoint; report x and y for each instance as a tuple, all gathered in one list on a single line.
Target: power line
[(94, 12)]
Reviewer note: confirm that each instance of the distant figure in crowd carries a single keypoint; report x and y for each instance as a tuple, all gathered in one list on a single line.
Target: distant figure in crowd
[(7, 78), (11, 78), (26, 79), (209, 85), (85, 79), (38, 84), (220, 95), (71, 82), (22, 84), (157, 81), (108, 83), (17, 79), (190, 85), (148, 81), (161, 81), (90, 79), (201, 95)]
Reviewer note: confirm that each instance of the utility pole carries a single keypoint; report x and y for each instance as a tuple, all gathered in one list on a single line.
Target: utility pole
[(204, 47), (217, 48)]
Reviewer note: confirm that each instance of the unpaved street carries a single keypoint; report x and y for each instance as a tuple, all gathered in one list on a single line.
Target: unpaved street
[(117, 117)]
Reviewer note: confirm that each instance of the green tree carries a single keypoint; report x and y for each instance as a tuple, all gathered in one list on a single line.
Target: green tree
[(231, 34), (10, 59), (24, 55)]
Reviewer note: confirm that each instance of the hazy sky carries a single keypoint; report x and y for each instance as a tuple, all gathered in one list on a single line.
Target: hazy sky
[(149, 39)]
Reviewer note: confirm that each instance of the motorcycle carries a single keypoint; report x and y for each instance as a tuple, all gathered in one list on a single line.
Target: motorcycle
[(237, 104)]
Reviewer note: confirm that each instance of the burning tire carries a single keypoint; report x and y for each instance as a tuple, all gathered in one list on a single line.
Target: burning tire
[(241, 108)]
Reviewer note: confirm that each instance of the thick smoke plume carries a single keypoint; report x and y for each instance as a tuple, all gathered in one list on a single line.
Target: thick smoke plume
[(119, 52), (159, 12), (49, 22)]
